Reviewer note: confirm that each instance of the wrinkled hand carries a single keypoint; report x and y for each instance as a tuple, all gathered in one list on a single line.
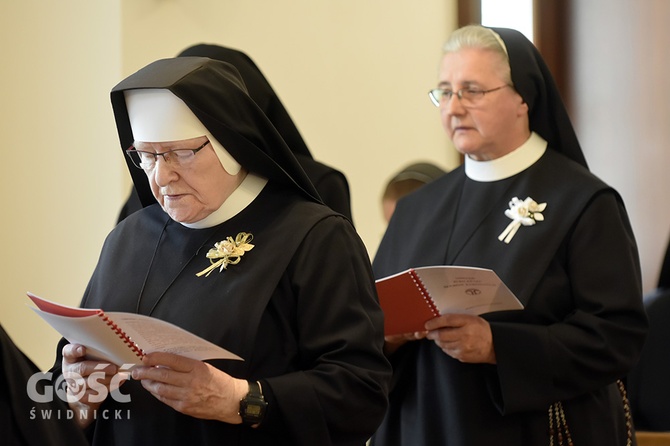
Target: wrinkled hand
[(192, 387), (464, 337), (89, 381)]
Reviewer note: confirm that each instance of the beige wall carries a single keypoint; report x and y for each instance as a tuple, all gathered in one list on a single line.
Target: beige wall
[(353, 74), (61, 174)]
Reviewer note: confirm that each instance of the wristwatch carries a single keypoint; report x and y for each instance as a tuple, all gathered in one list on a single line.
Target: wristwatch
[(253, 405)]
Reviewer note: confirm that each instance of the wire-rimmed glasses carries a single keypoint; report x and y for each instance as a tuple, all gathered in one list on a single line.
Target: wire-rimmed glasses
[(176, 157), (467, 96)]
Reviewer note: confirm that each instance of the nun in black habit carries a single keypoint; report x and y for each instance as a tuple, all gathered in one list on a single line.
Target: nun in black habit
[(525, 205), (330, 183), (293, 295)]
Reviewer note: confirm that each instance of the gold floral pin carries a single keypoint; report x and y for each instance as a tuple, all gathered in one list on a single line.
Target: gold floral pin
[(526, 213), (227, 252)]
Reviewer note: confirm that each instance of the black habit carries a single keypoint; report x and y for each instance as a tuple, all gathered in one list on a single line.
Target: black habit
[(577, 275), (26, 420)]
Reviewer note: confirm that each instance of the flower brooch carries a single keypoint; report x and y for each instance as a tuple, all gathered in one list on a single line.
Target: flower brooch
[(227, 252), (526, 212)]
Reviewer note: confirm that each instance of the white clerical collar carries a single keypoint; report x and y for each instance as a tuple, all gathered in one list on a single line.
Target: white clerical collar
[(246, 192), (509, 165)]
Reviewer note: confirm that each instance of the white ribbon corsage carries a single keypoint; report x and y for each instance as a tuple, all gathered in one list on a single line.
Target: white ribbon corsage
[(227, 252), (526, 212)]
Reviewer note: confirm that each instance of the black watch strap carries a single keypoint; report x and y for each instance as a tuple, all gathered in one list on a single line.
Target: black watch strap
[(253, 405)]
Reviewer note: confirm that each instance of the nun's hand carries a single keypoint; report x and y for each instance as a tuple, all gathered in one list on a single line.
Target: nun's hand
[(89, 382), (464, 337), (192, 387)]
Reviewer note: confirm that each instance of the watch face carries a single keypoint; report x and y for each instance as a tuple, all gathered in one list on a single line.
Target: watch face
[(253, 410)]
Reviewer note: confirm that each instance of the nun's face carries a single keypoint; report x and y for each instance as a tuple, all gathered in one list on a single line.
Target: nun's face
[(190, 192), (481, 126)]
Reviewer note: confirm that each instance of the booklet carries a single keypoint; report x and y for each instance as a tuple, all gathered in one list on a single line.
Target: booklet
[(412, 297), (124, 338)]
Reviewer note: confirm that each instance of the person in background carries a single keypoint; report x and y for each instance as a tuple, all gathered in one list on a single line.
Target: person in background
[(330, 183), (525, 205), (239, 250), (31, 412), (648, 385), (407, 180)]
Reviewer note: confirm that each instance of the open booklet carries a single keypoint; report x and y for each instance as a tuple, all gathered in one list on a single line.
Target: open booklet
[(412, 297), (124, 338)]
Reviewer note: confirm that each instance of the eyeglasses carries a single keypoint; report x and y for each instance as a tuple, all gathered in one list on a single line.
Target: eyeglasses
[(467, 96), (177, 157)]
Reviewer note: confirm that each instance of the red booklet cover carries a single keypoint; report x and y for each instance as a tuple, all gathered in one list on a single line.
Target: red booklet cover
[(412, 297), (406, 303)]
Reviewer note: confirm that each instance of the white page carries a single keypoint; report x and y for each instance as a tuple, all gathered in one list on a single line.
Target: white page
[(157, 335), (87, 327), (93, 332), (471, 290)]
